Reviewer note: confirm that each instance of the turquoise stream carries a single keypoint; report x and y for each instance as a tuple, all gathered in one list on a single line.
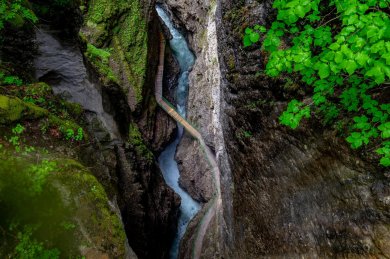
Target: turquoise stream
[(168, 165)]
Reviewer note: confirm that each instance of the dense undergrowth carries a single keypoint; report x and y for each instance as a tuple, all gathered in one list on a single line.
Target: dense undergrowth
[(340, 51)]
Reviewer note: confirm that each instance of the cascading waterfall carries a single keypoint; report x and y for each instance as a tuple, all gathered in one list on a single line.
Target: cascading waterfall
[(168, 165)]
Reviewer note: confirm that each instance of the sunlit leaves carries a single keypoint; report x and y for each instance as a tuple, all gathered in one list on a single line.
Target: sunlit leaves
[(385, 130), (295, 112), (345, 63), (385, 152), (250, 37)]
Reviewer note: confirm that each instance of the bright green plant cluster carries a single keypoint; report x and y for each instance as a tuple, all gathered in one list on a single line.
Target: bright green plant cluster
[(71, 135), (10, 80), (16, 140), (11, 10), (342, 50), (30, 248)]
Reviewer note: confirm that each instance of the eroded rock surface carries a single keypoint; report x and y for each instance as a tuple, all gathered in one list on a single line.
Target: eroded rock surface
[(297, 193)]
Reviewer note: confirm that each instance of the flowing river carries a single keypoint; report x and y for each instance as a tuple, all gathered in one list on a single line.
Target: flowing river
[(168, 165)]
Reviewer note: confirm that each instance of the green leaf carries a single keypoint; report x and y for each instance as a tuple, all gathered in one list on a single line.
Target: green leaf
[(292, 18), (385, 128), (350, 66), (254, 37), (378, 47), (260, 28), (323, 71), (300, 11), (377, 74), (385, 161), (319, 98), (248, 30), (386, 56), (247, 41), (338, 57), (361, 58), (346, 51), (371, 31), (355, 139), (334, 46)]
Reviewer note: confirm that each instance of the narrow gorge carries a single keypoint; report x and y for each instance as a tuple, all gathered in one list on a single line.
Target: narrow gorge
[(194, 129)]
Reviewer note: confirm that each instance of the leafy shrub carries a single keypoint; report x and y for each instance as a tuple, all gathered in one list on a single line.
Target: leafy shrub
[(14, 9), (345, 59)]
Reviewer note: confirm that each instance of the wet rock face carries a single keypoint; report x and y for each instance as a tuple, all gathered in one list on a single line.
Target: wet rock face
[(296, 193), (17, 51), (196, 175), (60, 64), (149, 207), (157, 128), (190, 15)]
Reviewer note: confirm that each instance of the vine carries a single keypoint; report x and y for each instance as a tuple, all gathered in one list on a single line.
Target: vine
[(345, 60)]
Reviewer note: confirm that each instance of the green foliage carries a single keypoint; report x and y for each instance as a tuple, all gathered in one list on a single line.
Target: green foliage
[(100, 59), (70, 134), (385, 152), (48, 206), (10, 80), (344, 59), (13, 10), (295, 112), (39, 173), (29, 248), (136, 140), (18, 129), (15, 139), (67, 128), (128, 37)]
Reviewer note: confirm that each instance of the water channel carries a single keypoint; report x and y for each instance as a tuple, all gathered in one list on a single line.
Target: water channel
[(168, 165)]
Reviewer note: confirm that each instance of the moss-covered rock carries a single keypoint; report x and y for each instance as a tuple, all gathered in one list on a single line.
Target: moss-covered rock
[(55, 207), (13, 109), (136, 141), (121, 26), (99, 58)]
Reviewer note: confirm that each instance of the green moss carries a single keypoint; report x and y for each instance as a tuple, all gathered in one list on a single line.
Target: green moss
[(135, 139), (64, 125), (100, 60), (17, 21), (133, 39), (109, 230), (102, 10), (121, 25), (59, 211), (13, 109), (41, 89)]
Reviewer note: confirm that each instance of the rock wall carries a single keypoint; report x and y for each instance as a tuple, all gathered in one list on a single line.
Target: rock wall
[(299, 193), (149, 208)]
